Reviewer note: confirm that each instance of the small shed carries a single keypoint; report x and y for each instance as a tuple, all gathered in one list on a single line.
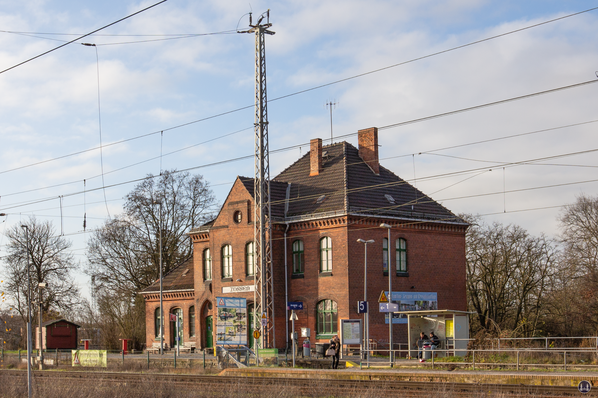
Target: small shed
[(451, 327), (59, 334)]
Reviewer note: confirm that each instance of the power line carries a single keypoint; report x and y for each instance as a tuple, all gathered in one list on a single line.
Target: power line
[(80, 37), (306, 90)]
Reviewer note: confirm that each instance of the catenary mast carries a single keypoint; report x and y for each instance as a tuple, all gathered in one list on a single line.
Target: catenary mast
[(263, 296)]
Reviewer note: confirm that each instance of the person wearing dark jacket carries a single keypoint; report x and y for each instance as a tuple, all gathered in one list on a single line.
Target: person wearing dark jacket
[(335, 344), (434, 340)]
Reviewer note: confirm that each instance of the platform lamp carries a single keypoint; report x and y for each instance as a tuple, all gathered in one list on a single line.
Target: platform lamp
[(387, 226), (366, 335), (41, 286), (28, 314), (159, 202)]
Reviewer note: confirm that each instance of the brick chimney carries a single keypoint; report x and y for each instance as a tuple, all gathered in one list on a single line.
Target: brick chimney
[(368, 148), (315, 156)]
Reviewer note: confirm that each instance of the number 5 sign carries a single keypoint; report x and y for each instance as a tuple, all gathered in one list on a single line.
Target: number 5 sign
[(362, 307)]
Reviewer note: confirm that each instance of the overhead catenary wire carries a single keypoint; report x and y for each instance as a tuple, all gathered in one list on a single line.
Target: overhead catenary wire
[(306, 90), (100, 123), (81, 37)]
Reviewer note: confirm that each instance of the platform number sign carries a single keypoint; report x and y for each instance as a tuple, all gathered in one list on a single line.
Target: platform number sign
[(362, 307)]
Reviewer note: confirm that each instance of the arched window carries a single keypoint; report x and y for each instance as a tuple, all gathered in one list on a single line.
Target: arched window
[(227, 261), (326, 254), (298, 257), (192, 321), (157, 322), (207, 265), (250, 259), (401, 254), (326, 321)]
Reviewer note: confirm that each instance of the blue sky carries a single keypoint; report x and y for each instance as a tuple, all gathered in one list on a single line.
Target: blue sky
[(49, 107)]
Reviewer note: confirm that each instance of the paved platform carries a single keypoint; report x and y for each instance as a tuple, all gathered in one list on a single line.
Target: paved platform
[(566, 379)]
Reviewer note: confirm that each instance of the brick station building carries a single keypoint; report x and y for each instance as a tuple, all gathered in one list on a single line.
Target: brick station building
[(321, 205)]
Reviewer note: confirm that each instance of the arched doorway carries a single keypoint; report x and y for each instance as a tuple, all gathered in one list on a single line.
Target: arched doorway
[(209, 325), (178, 316)]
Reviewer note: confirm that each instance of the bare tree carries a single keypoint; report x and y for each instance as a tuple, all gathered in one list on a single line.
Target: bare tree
[(39, 250), (508, 272), (124, 255), (578, 303)]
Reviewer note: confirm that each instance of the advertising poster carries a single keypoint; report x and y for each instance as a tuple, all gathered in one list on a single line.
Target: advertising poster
[(90, 358), (412, 301), (231, 323)]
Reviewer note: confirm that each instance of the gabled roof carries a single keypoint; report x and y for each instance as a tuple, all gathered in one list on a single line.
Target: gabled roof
[(48, 323), (347, 185), (179, 278)]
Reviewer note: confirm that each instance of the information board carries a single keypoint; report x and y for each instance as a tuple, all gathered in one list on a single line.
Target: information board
[(231, 323), (351, 331)]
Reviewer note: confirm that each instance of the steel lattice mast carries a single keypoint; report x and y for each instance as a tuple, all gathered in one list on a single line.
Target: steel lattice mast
[(263, 296)]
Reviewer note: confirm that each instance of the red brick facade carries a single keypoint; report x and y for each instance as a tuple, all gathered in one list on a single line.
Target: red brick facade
[(435, 248)]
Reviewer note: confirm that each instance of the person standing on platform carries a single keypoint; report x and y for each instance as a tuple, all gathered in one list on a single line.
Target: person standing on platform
[(335, 344)]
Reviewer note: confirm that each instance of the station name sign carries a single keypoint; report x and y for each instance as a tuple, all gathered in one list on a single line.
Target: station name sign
[(238, 289)]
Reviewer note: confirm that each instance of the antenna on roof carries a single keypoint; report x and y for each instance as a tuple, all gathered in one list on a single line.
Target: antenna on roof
[(331, 104)]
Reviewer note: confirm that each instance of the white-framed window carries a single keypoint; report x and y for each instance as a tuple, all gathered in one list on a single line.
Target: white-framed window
[(227, 261)]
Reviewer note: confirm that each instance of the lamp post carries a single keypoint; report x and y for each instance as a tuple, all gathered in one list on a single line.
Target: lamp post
[(28, 315), (161, 303), (366, 336), (383, 225)]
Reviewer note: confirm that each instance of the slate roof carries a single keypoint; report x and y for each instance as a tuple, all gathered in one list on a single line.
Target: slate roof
[(179, 278), (346, 184)]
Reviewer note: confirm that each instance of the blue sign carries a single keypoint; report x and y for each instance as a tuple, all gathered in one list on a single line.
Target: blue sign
[(584, 387), (295, 305), (362, 307)]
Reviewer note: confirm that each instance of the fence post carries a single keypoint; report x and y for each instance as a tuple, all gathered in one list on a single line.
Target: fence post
[(175, 359), (473, 358), (565, 359), (517, 359), (433, 359), (148, 359), (204, 358), (57, 357), (19, 352), (123, 355)]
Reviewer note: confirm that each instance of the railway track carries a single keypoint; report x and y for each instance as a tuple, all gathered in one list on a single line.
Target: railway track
[(188, 385)]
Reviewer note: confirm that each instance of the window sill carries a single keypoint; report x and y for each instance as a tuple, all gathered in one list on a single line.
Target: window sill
[(249, 277), (297, 276), (229, 279), (327, 273), (402, 274)]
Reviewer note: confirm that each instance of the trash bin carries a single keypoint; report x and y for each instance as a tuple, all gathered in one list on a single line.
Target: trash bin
[(306, 348), (427, 354)]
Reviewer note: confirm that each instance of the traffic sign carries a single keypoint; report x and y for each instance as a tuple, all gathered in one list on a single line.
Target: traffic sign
[(295, 305), (388, 307), (383, 298), (362, 307), (256, 334)]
